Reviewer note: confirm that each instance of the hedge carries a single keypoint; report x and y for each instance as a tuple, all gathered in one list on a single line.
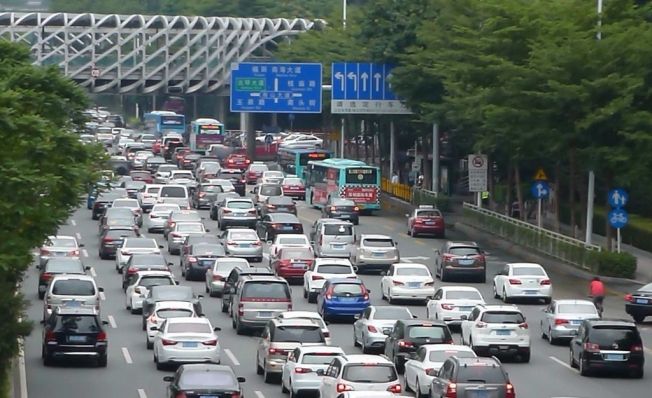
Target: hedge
[(620, 265), (422, 197)]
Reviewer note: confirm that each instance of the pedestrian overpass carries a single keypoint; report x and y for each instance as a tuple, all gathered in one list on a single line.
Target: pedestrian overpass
[(147, 53)]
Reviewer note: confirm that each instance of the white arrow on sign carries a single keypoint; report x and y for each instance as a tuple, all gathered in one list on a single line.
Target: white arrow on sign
[(276, 90), (354, 77), (297, 95), (339, 76), (364, 77), (377, 78)]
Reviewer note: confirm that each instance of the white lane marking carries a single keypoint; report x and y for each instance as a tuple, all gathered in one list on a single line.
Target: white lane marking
[(85, 252), (73, 222), (564, 364), (78, 236), (259, 394), (265, 255), (232, 357), (125, 353), (141, 393), (102, 296), (406, 260), (648, 350), (93, 272), (112, 321), (143, 236)]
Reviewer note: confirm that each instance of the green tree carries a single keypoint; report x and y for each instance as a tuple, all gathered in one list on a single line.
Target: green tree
[(43, 172)]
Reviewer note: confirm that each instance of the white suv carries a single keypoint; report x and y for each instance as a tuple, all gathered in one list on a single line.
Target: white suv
[(497, 330), (323, 269), (358, 373)]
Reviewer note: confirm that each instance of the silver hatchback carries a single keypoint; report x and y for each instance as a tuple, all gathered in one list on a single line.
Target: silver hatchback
[(376, 252), (243, 243)]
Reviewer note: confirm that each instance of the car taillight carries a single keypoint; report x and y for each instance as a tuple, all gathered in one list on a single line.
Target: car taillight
[(49, 336), (74, 252), (240, 309), (192, 259), (398, 283), (271, 206), (45, 252), (333, 208), (447, 257), (636, 348), (451, 391), (202, 194), (405, 344), (365, 296), (257, 243), (523, 325), (235, 394), (395, 388), (329, 296), (175, 235), (46, 276), (210, 342), (480, 325), (285, 263), (302, 370), (171, 224), (515, 281), (107, 240), (326, 334), (591, 347), (152, 318), (168, 342), (447, 306), (131, 270), (429, 283), (561, 321), (545, 282), (226, 211), (509, 391), (629, 297), (101, 336), (181, 395), (341, 387), (431, 371), (356, 209), (372, 329), (124, 252), (316, 277), (243, 181), (218, 277), (231, 242), (230, 161)]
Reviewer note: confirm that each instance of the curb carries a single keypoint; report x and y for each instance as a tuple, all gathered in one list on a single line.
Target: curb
[(18, 374)]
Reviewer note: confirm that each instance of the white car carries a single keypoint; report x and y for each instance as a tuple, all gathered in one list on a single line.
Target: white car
[(407, 281), (562, 318), (300, 370), (288, 240), (166, 310), (182, 177), (359, 373), (497, 330), (450, 303), (217, 274), (302, 142), (131, 204), (134, 245), (140, 157), (426, 362), (524, 281), (272, 177), (376, 323), (159, 215), (310, 315), (186, 340), (148, 198), (322, 270), (139, 286), (162, 175)]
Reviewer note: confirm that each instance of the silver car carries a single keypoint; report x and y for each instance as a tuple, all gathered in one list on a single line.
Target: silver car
[(181, 230), (59, 246), (216, 275), (66, 289), (332, 238), (159, 215), (562, 318), (300, 371), (162, 175), (374, 325), (243, 243), (376, 252), (239, 212), (131, 204)]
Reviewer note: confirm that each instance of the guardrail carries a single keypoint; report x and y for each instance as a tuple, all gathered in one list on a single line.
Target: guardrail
[(414, 195), (561, 247)]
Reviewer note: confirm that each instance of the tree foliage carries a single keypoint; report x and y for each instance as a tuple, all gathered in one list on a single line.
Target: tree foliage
[(43, 171)]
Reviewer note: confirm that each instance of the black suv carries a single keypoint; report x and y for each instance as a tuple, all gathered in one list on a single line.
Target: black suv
[(609, 345), (234, 277), (482, 377), (236, 177), (410, 334), (74, 332)]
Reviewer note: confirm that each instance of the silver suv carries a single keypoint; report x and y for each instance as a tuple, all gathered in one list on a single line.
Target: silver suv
[(258, 299), (332, 238), (375, 252), (237, 212), (71, 290)]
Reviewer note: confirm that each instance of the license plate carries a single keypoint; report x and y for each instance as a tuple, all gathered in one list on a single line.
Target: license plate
[(480, 394), (208, 396), (414, 285), (531, 292), (244, 245), (76, 339), (347, 299), (338, 247), (576, 322), (614, 357), (265, 314), (239, 214), (464, 308), (299, 265), (286, 228), (641, 301), (503, 332), (466, 262), (206, 263), (189, 344), (379, 254), (503, 347), (430, 223)]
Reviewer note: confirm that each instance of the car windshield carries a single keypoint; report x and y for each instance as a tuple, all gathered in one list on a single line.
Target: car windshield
[(147, 260), (225, 267), (608, 335), (258, 167), (77, 324), (334, 269), (173, 192), (378, 242), (503, 317), (387, 312), (189, 327), (244, 235), (485, 374), (153, 189), (299, 252), (174, 313), (181, 174), (369, 373), (149, 281), (441, 356), (274, 174), (298, 334), (73, 287), (338, 229), (240, 204), (140, 244), (428, 213), (464, 251), (527, 271), (55, 242), (120, 233), (412, 271), (186, 216), (577, 308), (177, 293), (59, 267), (645, 289), (274, 290), (167, 168), (212, 188), (463, 295), (130, 203), (426, 332), (292, 181), (271, 190), (137, 185), (190, 227), (208, 249), (291, 240), (319, 358), (347, 289), (343, 203), (164, 208), (202, 379)]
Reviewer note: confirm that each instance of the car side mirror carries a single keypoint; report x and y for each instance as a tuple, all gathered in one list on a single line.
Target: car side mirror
[(199, 296), (38, 266), (464, 317), (356, 316), (170, 264), (241, 379), (312, 242), (269, 242), (355, 269), (153, 328), (414, 316), (320, 372), (87, 268), (105, 322), (217, 329), (168, 378), (413, 355), (208, 230), (383, 273), (42, 322), (100, 289), (161, 246), (81, 245), (176, 282), (368, 290), (386, 332)]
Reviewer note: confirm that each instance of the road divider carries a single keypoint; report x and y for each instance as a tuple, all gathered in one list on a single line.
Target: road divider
[(112, 322), (126, 355), (232, 357), (259, 394)]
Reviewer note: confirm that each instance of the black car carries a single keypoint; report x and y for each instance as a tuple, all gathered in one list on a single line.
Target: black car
[(111, 240), (143, 262), (169, 293), (194, 240), (199, 259), (278, 223), (205, 194), (475, 377), (152, 164), (342, 209), (278, 204), (236, 177), (204, 380), (639, 303), (233, 278), (74, 332), (104, 201), (408, 335), (607, 345), (189, 161), (55, 266), (133, 187)]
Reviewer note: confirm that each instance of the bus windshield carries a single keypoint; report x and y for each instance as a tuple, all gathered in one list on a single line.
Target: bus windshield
[(176, 120)]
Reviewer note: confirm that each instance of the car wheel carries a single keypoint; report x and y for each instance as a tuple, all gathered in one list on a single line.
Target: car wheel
[(584, 370), (355, 340), (144, 323), (239, 329), (284, 389), (547, 300), (638, 373), (571, 360), (225, 308), (551, 339), (443, 276), (414, 233), (312, 298), (496, 295), (207, 290), (305, 293), (47, 358), (638, 318), (148, 343), (267, 377), (102, 361), (400, 365), (407, 386), (409, 232), (417, 392), (504, 297), (41, 295), (259, 369), (382, 293), (525, 358), (159, 365)]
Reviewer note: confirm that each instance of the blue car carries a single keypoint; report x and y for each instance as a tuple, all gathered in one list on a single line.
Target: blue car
[(90, 199), (342, 297)]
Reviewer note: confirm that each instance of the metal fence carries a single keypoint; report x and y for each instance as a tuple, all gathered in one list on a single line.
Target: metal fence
[(414, 195), (541, 240)]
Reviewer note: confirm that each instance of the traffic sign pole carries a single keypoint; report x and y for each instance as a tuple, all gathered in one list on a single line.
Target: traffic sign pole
[(539, 214), (618, 239), (392, 144)]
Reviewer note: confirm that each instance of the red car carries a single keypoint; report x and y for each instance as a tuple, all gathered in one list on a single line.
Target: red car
[(293, 187), (255, 171), (237, 161), (179, 154), (426, 220), (293, 262), (156, 147), (142, 175)]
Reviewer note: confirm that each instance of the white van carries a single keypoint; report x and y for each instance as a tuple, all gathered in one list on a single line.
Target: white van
[(332, 238), (175, 194)]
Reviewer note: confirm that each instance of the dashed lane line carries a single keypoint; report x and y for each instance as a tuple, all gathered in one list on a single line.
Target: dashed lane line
[(126, 355), (73, 223), (78, 236), (564, 364), (102, 296), (232, 357), (648, 350), (259, 394), (93, 272), (112, 322), (85, 253), (142, 393)]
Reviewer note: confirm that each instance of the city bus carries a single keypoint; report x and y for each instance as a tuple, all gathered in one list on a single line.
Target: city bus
[(351, 179), (161, 123), (293, 161), (204, 132)]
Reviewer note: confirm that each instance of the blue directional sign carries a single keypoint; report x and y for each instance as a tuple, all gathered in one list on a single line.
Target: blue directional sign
[(618, 218), (618, 198), (276, 87), (540, 189), (364, 88)]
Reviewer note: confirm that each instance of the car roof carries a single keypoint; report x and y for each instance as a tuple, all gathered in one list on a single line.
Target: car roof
[(154, 273), (299, 314), (295, 322), (173, 304), (280, 199), (332, 260), (206, 367), (320, 348), (333, 221), (461, 243), (83, 277), (525, 265), (498, 307), (459, 287), (610, 322), (262, 277), (366, 359), (421, 322), (409, 265), (286, 217), (80, 310), (375, 236), (188, 320), (336, 281), (572, 301), (476, 360), (447, 347)]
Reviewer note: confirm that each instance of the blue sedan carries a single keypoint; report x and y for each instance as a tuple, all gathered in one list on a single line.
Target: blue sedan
[(342, 297)]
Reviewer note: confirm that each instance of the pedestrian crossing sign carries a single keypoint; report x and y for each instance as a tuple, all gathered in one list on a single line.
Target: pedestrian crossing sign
[(540, 175)]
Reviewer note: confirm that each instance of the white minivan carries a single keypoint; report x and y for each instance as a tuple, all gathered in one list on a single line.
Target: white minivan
[(175, 194)]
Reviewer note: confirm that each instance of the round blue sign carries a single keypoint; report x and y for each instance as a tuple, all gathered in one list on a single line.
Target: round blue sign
[(540, 190), (618, 198), (618, 218)]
